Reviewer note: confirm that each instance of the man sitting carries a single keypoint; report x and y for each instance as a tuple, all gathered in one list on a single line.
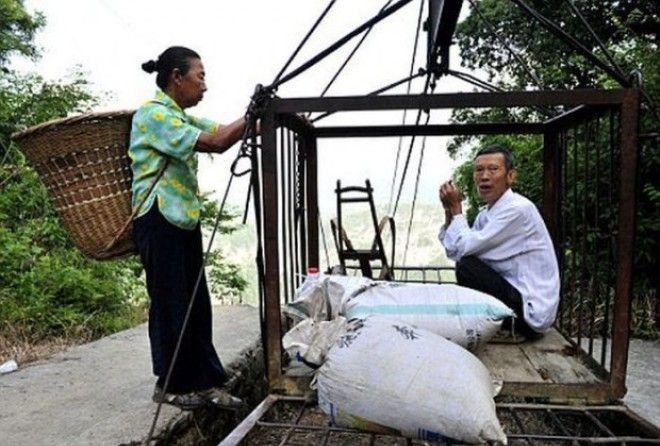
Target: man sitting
[(508, 252)]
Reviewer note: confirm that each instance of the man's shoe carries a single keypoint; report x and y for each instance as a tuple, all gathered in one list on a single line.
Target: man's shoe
[(184, 401)]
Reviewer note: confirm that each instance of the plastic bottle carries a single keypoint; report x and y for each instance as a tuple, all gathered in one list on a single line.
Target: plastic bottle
[(313, 274), (311, 279)]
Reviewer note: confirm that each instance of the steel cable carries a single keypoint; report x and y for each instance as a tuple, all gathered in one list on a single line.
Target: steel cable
[(609, 56), (338, 44), (515, 55), (304, 40), (571, 41), (421, 72), (412, 142), (352, 53), (405, 112), (414, 201)]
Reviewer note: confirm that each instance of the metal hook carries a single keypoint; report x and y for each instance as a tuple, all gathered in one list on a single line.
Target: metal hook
[(234, 165)]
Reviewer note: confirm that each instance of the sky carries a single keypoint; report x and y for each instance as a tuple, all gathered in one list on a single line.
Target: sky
[(243, 43)]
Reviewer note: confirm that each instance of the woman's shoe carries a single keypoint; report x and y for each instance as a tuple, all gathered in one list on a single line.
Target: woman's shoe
[(184, 401), (220, 398)]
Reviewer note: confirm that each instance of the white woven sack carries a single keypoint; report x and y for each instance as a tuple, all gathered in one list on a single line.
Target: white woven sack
[(391, 377), (321, 299), (307, 343), (462, 315)]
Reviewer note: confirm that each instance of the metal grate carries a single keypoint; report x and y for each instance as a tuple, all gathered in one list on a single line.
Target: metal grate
[(415, 274), (294, 421)]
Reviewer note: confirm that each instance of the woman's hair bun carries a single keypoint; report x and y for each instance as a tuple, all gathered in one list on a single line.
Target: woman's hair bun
[(149, 66)]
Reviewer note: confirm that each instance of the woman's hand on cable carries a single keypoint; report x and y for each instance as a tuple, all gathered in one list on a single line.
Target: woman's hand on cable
[(223, 138)]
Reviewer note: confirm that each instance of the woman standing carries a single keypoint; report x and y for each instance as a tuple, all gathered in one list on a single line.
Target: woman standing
[(163, 149)]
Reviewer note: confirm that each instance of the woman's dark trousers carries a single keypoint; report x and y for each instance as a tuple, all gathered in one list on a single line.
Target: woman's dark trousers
[(172, 258)]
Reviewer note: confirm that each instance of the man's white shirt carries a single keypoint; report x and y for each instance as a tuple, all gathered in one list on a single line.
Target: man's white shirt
[(511, 238)]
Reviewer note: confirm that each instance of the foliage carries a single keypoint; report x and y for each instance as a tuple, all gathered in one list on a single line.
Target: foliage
[(226, 282), (29, 100), (17, 30), (47, 287), (630, 30)]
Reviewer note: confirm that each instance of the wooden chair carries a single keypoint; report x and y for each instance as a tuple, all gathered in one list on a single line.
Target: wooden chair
[(345, 249)]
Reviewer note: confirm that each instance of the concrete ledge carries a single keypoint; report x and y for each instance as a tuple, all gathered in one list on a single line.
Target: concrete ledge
[(100, 393)]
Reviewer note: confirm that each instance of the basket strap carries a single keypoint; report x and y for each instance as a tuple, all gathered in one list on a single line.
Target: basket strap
[(137, 209)]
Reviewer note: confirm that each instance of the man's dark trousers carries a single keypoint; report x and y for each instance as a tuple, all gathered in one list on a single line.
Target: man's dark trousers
[(471, 272)]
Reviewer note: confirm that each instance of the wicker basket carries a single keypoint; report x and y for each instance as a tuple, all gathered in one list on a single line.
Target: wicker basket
[(83, 161)]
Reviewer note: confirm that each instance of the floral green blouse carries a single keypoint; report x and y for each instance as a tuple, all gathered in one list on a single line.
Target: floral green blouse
[(162, 130)]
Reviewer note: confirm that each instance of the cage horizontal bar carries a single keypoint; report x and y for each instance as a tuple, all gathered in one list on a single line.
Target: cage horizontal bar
[(449, 100), (430, 130)]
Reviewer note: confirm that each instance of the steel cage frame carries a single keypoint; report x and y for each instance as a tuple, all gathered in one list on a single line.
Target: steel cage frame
[(283, 112)]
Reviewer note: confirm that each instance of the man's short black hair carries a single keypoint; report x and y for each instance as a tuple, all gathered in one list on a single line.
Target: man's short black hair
[(509, 162)]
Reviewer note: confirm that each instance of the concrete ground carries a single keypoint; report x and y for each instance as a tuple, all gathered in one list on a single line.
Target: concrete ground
[(643, 379), (100, 393)]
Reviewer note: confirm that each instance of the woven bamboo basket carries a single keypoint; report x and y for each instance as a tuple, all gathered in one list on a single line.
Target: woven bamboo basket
[(83, 162)]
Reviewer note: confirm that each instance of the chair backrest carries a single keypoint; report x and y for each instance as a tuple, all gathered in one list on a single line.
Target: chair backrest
[(345, 249)]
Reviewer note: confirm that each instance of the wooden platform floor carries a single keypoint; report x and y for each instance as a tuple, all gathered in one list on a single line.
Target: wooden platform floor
[(550, 359)]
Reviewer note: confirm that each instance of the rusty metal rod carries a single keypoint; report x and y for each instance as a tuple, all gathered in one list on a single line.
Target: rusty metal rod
[(573, 246), (598, 423), (555, 419), (283, 251), (625, 241), (296, 185), (301, 203), (288, 234), (294, 425), (484, 128), (293, 197), (584, 272), (564, 230), (610, 245), (240, 432), (520, 425), (451, 100), (595, 243)]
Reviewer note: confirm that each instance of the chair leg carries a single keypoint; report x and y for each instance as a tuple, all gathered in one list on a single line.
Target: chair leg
[(365, 268)]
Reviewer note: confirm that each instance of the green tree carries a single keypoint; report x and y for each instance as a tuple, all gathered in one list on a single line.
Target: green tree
[(631, 30), (17, 30), (225, 280), (47, 287)]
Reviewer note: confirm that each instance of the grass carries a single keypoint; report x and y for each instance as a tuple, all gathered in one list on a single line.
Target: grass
[(16, 344), (20, 343)]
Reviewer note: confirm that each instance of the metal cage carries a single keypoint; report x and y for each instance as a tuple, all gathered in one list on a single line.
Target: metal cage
[(589, 161)]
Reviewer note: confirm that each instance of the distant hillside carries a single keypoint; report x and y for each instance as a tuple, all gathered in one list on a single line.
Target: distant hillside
[(424, 248)]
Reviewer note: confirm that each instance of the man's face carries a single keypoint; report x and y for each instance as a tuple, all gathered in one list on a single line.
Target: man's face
[(491, 176)]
